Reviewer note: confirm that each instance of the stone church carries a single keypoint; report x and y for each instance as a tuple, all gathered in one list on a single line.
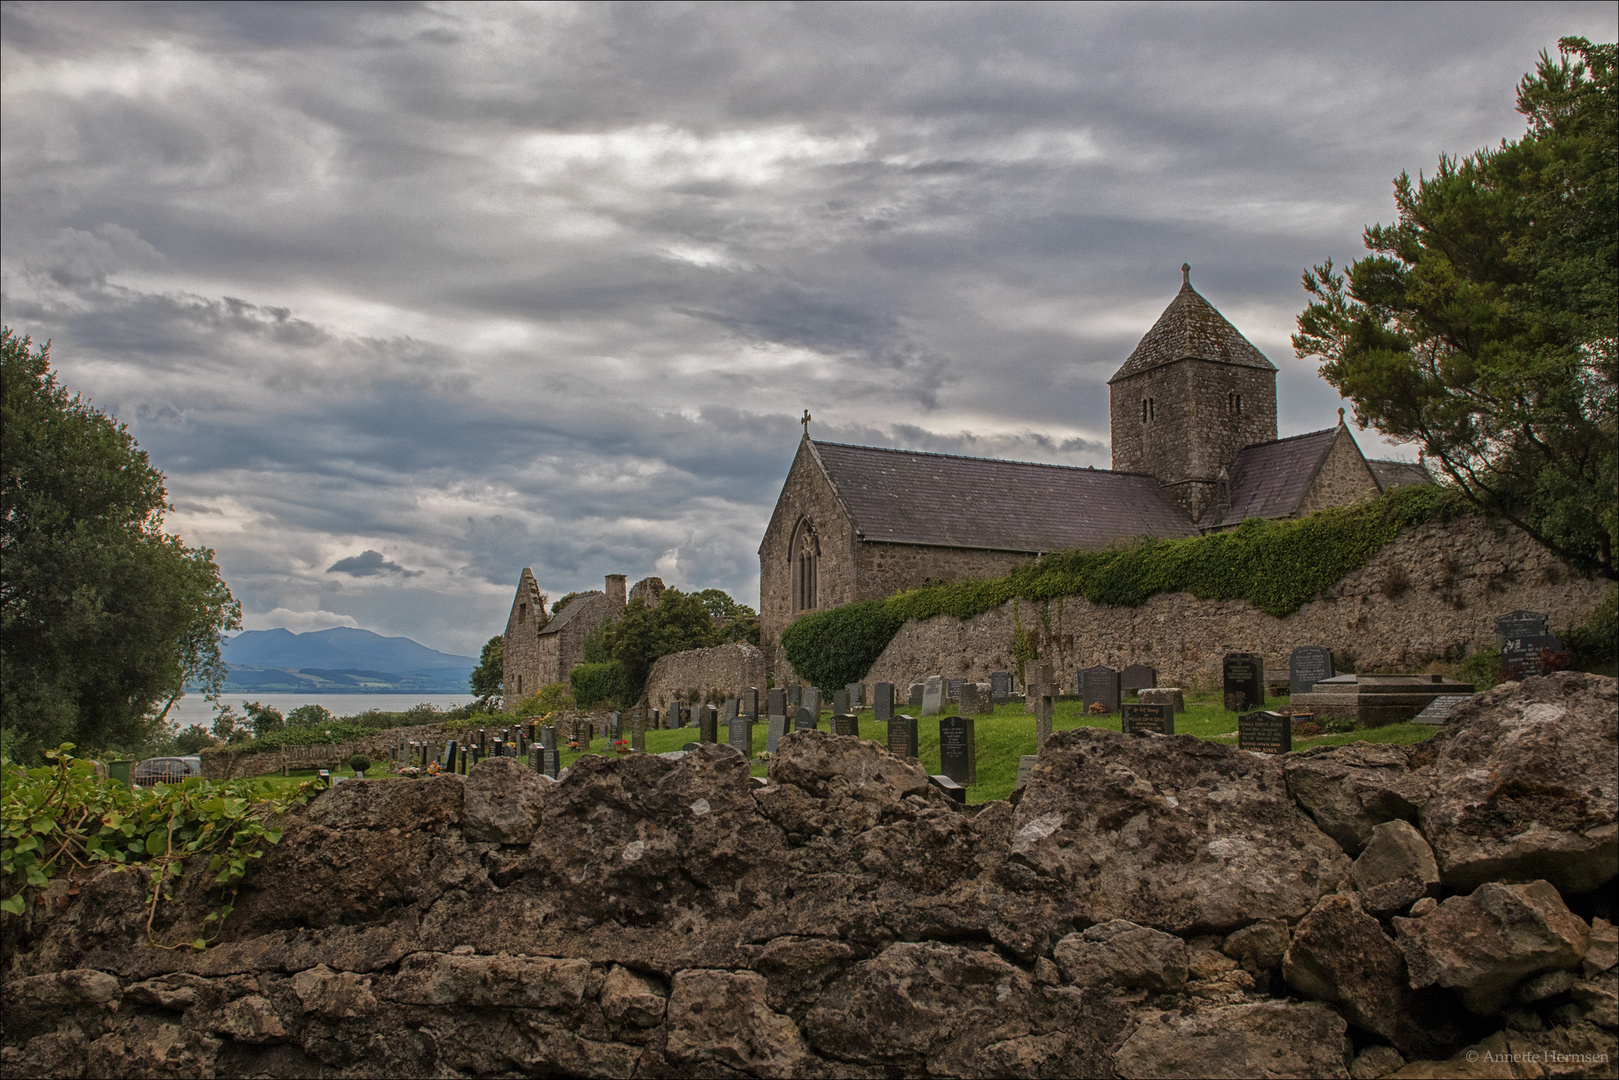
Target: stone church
[(1193, 413)]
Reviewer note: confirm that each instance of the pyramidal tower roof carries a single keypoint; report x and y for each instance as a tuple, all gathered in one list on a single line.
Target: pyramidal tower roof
[(1191, 328)]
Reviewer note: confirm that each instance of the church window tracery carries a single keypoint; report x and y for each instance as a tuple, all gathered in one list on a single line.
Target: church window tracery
[(803, 559)]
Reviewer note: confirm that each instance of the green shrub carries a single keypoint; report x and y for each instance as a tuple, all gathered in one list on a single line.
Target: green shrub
[(836, 647), (552, 697), (599, 684), (1594, 645), (359, 763)]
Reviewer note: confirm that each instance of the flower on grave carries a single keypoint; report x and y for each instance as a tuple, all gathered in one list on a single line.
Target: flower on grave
[(1098, 709), (432, 768), (621, 745)]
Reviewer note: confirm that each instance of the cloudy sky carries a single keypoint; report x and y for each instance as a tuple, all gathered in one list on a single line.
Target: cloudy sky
[(404, 298)]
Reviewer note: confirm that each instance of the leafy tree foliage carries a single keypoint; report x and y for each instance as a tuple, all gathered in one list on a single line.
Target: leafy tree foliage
[(487, 676), (680, 621), (192, 739), (105, 617), (1483, 325), (263, 718), (310, 716)]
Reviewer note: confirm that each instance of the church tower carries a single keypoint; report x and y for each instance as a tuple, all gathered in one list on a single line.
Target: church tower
[(1192, 394)]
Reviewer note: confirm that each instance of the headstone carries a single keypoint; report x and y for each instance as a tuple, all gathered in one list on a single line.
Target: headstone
[(551, 762), (933, 696), (1243, 681), (882, 702), (1100, 684), (950, 787), (1025, 766), (1520, 623), (1000, 685), (740, 735), (1045, 692), (638, 733), (773, 733), (750, 704), (534, 758), (1137, 677), (1439, 709), (857, 696), (902, 741), (804, 720), (1139, 718), (953, 690), (733, 709), (986, 703), (708, 724), (812, 702), (776, 701), (1308, 665), (1523, 657), (913, 697), (794, 695), (1265, 732), (846, 724), (615, 727), (958, 749), (967, 695), (840, 701)]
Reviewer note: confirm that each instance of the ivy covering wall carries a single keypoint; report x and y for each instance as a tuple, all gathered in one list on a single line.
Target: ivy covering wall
[(1274, 565)]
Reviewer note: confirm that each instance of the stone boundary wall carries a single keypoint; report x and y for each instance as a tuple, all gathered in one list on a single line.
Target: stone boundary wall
[(728, 668), (1434, 591), (234, 764)]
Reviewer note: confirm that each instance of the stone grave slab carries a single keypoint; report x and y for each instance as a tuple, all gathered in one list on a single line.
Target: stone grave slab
[(1519, 623), (1025, 766), (1306, 666), (1525, 656), (967, 698), (795, 695), (1100, 685), (1138, 719), (773, 733), (857, 696), (638, 733), (933, 696), (1137, 677), (914, 696), (740, 735), (958, 749), (902, 738), (708, 730), (952, 690), (551, 762), (840, 701), (950, 787), (776, 701), (811, 700), (1265, 732), (1243, 681), (804, 720), (750, 704), (846, 724), (1439, 709), (882, 702), (1045, 691), (986, 702)]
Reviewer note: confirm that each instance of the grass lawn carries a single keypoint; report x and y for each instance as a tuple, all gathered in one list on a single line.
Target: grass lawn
[(1008, 734)]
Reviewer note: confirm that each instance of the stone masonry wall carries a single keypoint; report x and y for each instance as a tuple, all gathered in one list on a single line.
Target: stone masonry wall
[(730, 669), (1434, 591), (524, 664), (1344, 477)]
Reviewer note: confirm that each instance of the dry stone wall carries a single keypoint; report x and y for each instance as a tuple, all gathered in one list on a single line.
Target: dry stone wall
[(730, 669), (1434, 592), (1149, 907)]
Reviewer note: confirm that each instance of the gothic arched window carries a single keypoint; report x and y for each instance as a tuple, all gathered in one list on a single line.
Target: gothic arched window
[(803, 561)]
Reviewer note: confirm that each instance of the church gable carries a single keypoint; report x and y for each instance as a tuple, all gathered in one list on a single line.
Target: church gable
[(806, 559), (1292, 476)]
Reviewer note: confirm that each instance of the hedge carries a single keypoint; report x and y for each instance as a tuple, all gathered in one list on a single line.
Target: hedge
[(1274, 565)]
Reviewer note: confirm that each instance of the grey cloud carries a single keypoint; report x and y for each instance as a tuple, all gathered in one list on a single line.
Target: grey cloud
[(369, 563)]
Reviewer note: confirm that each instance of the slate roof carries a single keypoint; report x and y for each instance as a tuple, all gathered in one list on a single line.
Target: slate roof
[(1190, 327), (1269, 480), (945, 500), (1394, 474), (575, 606)]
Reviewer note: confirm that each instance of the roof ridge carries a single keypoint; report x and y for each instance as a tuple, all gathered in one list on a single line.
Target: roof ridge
[(1289, 438), (974, 457)]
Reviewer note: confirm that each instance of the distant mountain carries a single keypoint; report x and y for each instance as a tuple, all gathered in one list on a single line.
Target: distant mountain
[(343, 659)]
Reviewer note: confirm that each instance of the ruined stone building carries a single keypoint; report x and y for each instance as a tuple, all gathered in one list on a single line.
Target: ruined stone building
[(1193, 416), (542, 647)]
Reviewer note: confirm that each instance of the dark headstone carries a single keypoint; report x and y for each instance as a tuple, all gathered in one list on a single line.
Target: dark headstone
[(740, 735), (804, 720), (840, 701), (902, 740), (1517, 624), (733, 709), (958, 749), (950, 787), (933, 696), (914, 697), (1265, 732), (1522, 657), (812, 701), (1000, 685), (750, 703), (846, 724), (1308, 665), (1244, 681), (1439, 709), (1139, 718), (882, 702), (1045, 693), (795, 695), (708, 730), (773, 733), (1137, 677), (551, 762), (967, 695), (1100, 684), (857, 695), (953, 690), (615, 727), (776, 701), (638, 733), (534, 759)]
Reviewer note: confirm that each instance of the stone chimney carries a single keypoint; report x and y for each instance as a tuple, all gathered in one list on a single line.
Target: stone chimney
[(615, 590)]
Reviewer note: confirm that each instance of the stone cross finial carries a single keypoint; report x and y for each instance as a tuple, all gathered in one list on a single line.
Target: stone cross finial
[(1186, 273), (1340, 416), (806, 419)]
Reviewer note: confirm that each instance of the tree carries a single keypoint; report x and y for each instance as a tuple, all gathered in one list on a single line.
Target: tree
[(263, 718), (310, 716), (105, 617), (486, 677), (680, 621), (1483, 325), (193, 739)]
